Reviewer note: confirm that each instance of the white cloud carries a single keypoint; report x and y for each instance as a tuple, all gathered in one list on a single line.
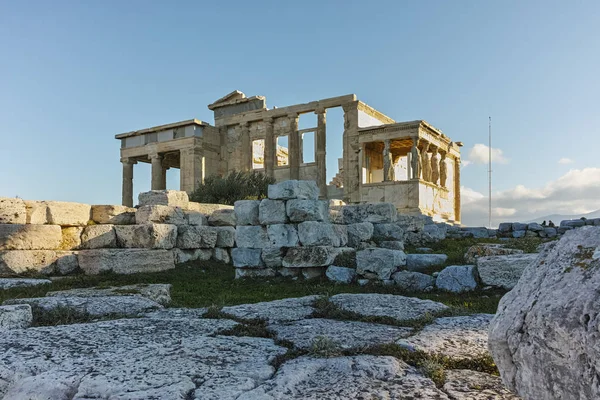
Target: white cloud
[(576, 192), (465, 163), (565, 160), (480, 154)]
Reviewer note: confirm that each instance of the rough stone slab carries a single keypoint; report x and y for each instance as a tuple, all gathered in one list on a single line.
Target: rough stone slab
[(307, 257), (37, 212), (359, 232), (312, 233), (272, 212), (272, 256), (113, 214), (157, 292), (125, 261), (11, 283), (345, 334), (196, 237), (247, 258), (519, 234), (98, 237), (246, 212), (476, 232), (241, 273), (223, 217), (400, 308), (71, 237), (66, 262), (487, 250), (30, 237), (376, 213), (12, 211), (283, 235), (99, 306), (413, 281), (183, 256), (388, 231), (503, 271), (340, 274), (21, 261), (307, 210), (195, 218), (147, 236), (419, 262), (544, 337), (225, 236), (15, 317), (382, 262), (292, 309), (357, 377), (294, 189), (68, 214), (392, 244), (461, 338), (207, 208), (252, 237), (457, 278), (221, 255), (174, 198), (142, 358), (465, 384), (160, 215)]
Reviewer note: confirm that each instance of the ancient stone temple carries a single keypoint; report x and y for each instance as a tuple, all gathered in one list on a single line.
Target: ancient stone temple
[(410, 164)]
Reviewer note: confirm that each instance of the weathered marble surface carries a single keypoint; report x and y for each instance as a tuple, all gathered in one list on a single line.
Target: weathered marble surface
[(158, 292), (278, 310), (464, 384), (10, 283)]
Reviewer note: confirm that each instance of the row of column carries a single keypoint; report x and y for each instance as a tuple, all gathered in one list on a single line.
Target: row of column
[(294, 148)]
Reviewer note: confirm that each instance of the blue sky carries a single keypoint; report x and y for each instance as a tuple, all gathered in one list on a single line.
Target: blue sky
[(72, 75)]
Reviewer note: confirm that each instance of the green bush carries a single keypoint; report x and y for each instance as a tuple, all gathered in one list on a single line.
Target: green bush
[(251, 185)]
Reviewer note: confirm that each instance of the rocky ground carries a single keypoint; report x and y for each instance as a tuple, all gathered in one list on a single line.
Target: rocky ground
[(348, 346)]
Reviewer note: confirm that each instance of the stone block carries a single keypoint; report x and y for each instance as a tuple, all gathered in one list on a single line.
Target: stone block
[(294, 189), (340, 274), (457, 278), (11, 283), (30, 237), (518, 226), (98, 237), (272, 212), (207, 208), (147, 236), (67, 213), (247, 258), (246, 212), (71, 237), (254, 273), (312, 273), (413, 281), (503, 271), (388, 231), (66, 262), (476, 232), (535, 227), (393, 244), (225, 236), (505, 227), (253, 237), (306, 257), (37, 212), (195, 218), (21, 261), (486, 250), (196, 237), (419, 262), (359, 232), (158, 292), (114, 215), (158, 214), (174, 198), (341, 232), (335, 214), (381, 262), (221, 255), (223, 217), (307, 210), (376, 213), (312, 233), (182, 256), (282, 235), (573, 223), (16, 316), (125, 261), (518, 234), (550, 232), (12, 211), (272, 256)]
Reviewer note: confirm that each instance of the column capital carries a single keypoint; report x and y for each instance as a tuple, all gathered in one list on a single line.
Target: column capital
[(127, 160), (155, 156)]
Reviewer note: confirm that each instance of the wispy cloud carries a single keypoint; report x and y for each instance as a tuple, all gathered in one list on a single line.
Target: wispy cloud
[(565, 160), (480, 154)]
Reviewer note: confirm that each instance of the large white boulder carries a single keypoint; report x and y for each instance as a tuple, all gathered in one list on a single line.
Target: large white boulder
[(282, 235), (313, 233), (158, 214), (503, 271), (307, 210), (125, 261), (253, 237), (21, 261), (413, 281), (420, 262), (457, 278), (37, 212), (223, 217), (12, 211), (68, 214), (98, 237), (307, 257), (225, 236), (146, 236), (376, 213), (272, 212), (545, 337), (10, 283), (173, 198), (15, 317), (196, 237), (381, 262), (246, 212), (359, 232), (294, 189), (30, 237), (113, 214), (246, 258)]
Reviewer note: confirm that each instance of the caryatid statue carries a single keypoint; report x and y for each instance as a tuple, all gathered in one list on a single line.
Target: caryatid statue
[(415, 160), (426, 163), (443, 170), (435, 166)]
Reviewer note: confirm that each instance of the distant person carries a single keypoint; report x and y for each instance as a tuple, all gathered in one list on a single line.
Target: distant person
[(551, 224), (544, 223)]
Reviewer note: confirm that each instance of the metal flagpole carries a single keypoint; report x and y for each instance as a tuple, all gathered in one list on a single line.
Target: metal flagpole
[(490, 175)]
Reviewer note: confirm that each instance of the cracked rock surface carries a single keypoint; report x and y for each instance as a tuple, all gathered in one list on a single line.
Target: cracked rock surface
[(277, 310)]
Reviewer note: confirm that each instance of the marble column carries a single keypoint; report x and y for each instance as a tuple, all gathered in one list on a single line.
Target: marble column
[(294, 146), (352, 156), (388, 171), (127, 191), (191, 169), (246, 151), (321, 151), (270, 147), (157, 171)]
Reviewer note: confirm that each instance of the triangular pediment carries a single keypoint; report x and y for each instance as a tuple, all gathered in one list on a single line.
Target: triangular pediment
[(228, 98)]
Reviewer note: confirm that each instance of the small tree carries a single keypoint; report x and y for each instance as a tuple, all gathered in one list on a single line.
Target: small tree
[(251, 185)]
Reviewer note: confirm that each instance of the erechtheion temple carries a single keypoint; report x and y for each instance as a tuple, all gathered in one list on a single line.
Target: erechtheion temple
[(410, 164)]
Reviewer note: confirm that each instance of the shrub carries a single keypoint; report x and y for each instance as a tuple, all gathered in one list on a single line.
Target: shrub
[(251, 185)]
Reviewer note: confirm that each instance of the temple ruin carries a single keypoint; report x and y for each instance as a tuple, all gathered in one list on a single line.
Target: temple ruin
[(410, 164)]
